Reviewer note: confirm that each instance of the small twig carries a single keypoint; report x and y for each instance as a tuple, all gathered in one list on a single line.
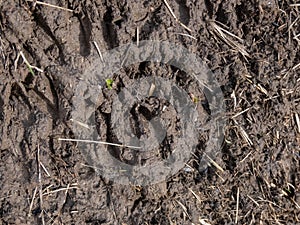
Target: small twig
[(50, 5), (98, 50), (237, 205), (174, 16), (98, 142)]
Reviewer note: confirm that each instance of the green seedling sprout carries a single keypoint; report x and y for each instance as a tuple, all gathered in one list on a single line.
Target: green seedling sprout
[(109, 82), (30, 67), (195, 99)]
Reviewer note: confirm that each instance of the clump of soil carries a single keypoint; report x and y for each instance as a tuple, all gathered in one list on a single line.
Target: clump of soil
[(252, 49)]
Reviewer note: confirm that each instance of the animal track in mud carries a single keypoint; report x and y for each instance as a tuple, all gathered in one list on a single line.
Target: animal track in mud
[(145, 110), (42, 23), (109, 31), (85, 34)]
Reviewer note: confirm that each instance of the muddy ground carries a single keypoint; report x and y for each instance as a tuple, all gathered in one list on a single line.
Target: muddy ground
[(257, 177)]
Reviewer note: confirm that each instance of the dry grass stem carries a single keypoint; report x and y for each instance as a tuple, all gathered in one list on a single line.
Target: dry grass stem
[(213, 162), (69, 187), (262, 89), (175, 17), (296, 66), (137, 36), (66, 195), (184, 208), (203, 222), (297, 122), (186, 35), (296, 204), (196, 196), (240, 113), (244, 134), (80, 123), (296, 37), (246, 156), (223, 180), (293, 23), (50, 5), (271, 203), (98, 50), (32, 201), (237, 205), (229, 37), (234, 99), (255, 202), (44, 168)]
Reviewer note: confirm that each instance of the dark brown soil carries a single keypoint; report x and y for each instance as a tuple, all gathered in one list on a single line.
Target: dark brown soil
[(47, 181)]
